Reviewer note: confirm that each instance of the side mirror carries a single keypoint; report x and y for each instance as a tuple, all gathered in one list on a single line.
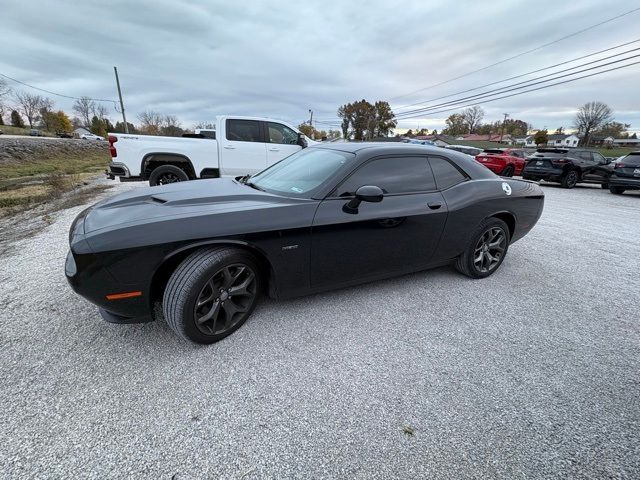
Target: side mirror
[(366, 193), (302, 141)]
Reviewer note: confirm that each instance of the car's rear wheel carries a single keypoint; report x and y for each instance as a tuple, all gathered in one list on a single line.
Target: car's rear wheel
[(570, 179), (508, 171), (486, 249), (212, 293), (616, 190), (165, 174)]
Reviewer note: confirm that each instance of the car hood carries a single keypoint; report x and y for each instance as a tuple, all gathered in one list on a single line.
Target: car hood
[(183, 199)]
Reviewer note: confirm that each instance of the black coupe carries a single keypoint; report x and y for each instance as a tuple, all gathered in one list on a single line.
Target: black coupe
[(328, 216)]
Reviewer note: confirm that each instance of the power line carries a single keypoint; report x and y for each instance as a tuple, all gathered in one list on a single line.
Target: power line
[(54, 93), (525, 91), (524, 84), (525, 74), (519, 54)]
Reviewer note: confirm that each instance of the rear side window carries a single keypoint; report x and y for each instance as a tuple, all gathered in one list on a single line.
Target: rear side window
[(585, 155), (244, 131), (393, 175), (445, 173), (633, 160)]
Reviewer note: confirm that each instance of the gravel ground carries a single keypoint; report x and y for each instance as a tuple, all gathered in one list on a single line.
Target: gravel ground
[(532, 373)]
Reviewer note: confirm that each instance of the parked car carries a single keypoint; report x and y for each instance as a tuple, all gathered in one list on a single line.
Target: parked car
[(473, 151), (626, 174), (568, 166), (64, 135), (325, 217), (239, 146), (34, 132), (91, 136), (506, 162)]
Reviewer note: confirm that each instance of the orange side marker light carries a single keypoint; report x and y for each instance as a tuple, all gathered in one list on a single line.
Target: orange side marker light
[(119, 296)]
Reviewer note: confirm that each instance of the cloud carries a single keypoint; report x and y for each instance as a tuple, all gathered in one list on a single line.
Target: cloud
[(199, 59)]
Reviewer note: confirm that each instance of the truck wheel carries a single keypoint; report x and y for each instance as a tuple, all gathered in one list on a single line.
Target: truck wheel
[(165, 174), (616, 190), (569, 179), (212, 293)]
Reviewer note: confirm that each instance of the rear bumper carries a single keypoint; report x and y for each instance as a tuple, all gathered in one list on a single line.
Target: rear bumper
[(551, 174), (121, 171), (629, 183)]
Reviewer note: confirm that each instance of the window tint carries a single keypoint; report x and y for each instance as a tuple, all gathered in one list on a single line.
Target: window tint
[(278, 133), (585, 155), (392, 175), (445, 173), (243, 131), (598, 158)]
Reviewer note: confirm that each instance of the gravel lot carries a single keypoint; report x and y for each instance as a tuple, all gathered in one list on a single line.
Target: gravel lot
[(532, 373)]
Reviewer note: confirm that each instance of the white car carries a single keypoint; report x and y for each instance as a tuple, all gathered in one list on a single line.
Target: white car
[(91, 136), (238, 146)]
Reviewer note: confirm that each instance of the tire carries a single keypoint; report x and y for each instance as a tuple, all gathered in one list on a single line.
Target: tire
[(165, 174), (467, 262), (202, 277), (570, 179), (508, 171), (616, 190)]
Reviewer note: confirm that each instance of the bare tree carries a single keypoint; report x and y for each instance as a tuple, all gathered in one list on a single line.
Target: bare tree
[(84, 107), (472, 117), (45, 110), (100, 111), (30, 105), (5, 91), (171, 126), (590, 117), (151, 122)]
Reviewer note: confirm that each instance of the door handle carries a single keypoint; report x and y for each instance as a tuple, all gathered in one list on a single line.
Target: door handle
[(274, 149), (434, 205), (229, 147)]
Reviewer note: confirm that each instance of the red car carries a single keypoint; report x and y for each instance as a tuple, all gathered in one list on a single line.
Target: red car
[(506, 162)]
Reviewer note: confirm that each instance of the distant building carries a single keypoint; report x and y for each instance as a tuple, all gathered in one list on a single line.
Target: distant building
[(80, 131), (554, 140), (626, 142)]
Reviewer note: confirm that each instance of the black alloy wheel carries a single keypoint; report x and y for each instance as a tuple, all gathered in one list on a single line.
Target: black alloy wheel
[(570, 179), (486, 249), (224, 299), (508, 171), (489, 249), (166, 174), (212, 293)]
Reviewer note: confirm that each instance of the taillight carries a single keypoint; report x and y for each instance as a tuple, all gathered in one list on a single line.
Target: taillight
[(619, 165), (112, 150), (560, 161)]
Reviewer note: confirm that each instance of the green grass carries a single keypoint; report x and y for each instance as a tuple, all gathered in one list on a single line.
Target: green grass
[(9, 130), (86, 162), (616, 152)]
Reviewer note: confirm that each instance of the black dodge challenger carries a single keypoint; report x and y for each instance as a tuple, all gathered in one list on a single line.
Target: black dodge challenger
[(326, 217)]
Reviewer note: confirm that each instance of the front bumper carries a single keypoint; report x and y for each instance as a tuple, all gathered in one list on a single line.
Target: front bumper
[(628, 183)]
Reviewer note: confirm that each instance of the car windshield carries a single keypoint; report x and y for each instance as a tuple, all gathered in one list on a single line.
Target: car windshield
[(302, 172)]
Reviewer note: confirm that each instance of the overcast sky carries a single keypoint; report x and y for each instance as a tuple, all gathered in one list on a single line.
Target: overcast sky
[(282, 58)]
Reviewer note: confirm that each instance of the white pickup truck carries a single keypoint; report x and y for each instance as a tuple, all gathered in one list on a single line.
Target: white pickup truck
[(238, 146)]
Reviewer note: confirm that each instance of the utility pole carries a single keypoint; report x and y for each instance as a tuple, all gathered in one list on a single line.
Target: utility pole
[(311, 118), (502, 130), (124, 118)]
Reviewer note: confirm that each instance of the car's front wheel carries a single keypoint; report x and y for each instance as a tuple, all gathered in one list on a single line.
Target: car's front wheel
[(616, 190), (486, 249), (212, 293)]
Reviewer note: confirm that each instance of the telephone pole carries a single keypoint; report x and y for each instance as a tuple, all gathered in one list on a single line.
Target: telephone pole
[(124, 118), (311, 118), (502, 130)]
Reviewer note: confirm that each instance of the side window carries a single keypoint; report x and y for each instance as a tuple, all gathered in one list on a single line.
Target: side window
[(278, 133), (243, 130), (445, 173), (598, 158), (392, 175), (585, 156)]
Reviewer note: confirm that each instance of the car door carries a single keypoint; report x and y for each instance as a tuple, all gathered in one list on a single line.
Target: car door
[(396, 235), (243, 150), (598, 170), (282, 141)]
